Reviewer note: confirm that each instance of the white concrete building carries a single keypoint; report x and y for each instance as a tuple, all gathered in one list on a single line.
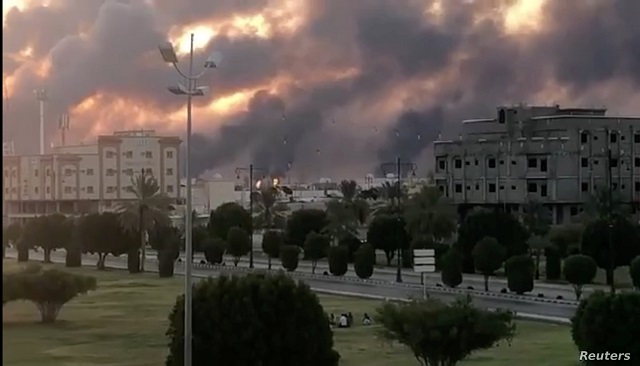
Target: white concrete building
[(88, 178)]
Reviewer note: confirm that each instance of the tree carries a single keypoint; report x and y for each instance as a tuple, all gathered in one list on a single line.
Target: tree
[(566, 238), (10, 235), (214, 250), (73, 248), (257, 304), (338, 260), (352, 243), (553, 263), (364, 259), (608, 323), (166, 241), (227, 216), (504, 227), (289, 257), (149, 207), (537, 219), (520, 273), (429, 215), (49, 233), (103, 234), (302, 222), (443, 334), (625, 240), (634, 272), (199, 237), (315, 248), (272, 240), (238, 244), (537, 245), (385, 231), (451, 273), (268, 212), (488, 256), (341, 222), (51, 289), (579, 270)]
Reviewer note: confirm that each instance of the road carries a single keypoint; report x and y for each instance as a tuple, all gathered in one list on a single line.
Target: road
[(387, 274), (387, 291)]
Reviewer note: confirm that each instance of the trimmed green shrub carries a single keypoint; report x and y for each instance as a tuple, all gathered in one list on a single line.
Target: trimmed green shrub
[(520, 271), (608, 323), (338, 260), (272, 240), (133, 260), (73, 257), (488, 256), (166, 262), (451, 273), (214, 250), (364, 261), (352, 244), (289, 257), (282, 320), (553, 263), (579, 270)]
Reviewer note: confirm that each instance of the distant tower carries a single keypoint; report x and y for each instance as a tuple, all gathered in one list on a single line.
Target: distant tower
[(41, 95), (63, 125)]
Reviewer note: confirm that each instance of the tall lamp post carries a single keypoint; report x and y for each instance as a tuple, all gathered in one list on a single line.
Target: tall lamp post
[(250, 169), (399, 167), (190, 90)]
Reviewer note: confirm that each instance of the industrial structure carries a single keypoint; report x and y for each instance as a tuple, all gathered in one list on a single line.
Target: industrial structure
[(88, 178), (556, 156)]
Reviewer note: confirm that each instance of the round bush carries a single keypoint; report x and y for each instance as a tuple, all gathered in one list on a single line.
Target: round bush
[(166, 262), (352, 244), (579, 270), (520, 272), (214, 250), (634, 272), (608, 323), (364, 260), (258, 319), (289, 257), (133, 261), (73, 257), (338, 260), (553, 263), (451, 273)]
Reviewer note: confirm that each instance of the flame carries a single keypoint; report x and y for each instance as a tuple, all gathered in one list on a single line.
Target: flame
[(275, 182), (258, 184), (524, 16), (202, 34)]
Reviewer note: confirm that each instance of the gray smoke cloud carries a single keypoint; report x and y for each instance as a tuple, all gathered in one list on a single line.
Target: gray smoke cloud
[(457, 65)]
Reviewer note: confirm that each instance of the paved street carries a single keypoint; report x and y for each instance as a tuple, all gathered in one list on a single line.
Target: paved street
[(335, 284)]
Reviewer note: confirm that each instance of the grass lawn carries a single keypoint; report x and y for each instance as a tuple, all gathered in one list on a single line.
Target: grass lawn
[(124, 321)]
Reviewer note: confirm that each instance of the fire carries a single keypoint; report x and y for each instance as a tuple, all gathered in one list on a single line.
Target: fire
[(524, 16), (202, 34)]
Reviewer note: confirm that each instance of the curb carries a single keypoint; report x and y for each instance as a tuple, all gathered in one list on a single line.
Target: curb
[(387, 283)]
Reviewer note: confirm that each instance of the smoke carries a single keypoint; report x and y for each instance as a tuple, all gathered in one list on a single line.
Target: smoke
[(410, 69)]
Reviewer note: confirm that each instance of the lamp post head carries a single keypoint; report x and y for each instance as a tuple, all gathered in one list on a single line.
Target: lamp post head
[(168, 53), (213, 61)]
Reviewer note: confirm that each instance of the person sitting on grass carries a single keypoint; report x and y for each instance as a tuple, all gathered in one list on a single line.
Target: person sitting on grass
[(366, 320), (343, 322)]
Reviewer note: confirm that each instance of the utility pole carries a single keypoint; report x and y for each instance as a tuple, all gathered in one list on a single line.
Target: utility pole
[(41, 95), (399, 165), (251, 169), (63, 126), (612, 261)]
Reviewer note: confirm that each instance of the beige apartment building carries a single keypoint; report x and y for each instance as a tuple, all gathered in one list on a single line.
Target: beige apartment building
[(88, 178), (557, 156)]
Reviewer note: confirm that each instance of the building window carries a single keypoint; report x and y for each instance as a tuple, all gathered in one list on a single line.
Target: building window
[(128, 172), (637, 162), (513, 162), (111, 189), (614, 162), (584, 162), (492, 163), (532, 163), (458, 188), (637, 186), (35, 173), (636, 138), (502, 188), (170, 154), (584, 137), (475, 162), (170, 189), (501, 162), (128, 154), (613, 137), (111, 172), (110, 154), (615, 186), (532, 188), (543, 165), (68, 172), (595, 138), (149, 171), (35, 190), (47, 190), (47, 172), (90, 171), (513, 188), (492, 187), (442, 164), (14, 190), (584, 187), (67, 189), (458, 163), (169, 171), (543, 190), (477, 187), (573, 211), (90, 189), (468, 188), (148, 154), (467, 162)]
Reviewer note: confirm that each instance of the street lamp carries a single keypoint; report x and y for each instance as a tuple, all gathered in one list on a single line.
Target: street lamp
[(251, 169), (191, 89), (399, 166)]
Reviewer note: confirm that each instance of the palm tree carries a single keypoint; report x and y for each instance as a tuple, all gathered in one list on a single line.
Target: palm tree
[(149, 207), (267, 211), (430, 215)]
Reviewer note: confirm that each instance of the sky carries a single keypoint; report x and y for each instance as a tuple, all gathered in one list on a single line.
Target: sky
[(318, 88)]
